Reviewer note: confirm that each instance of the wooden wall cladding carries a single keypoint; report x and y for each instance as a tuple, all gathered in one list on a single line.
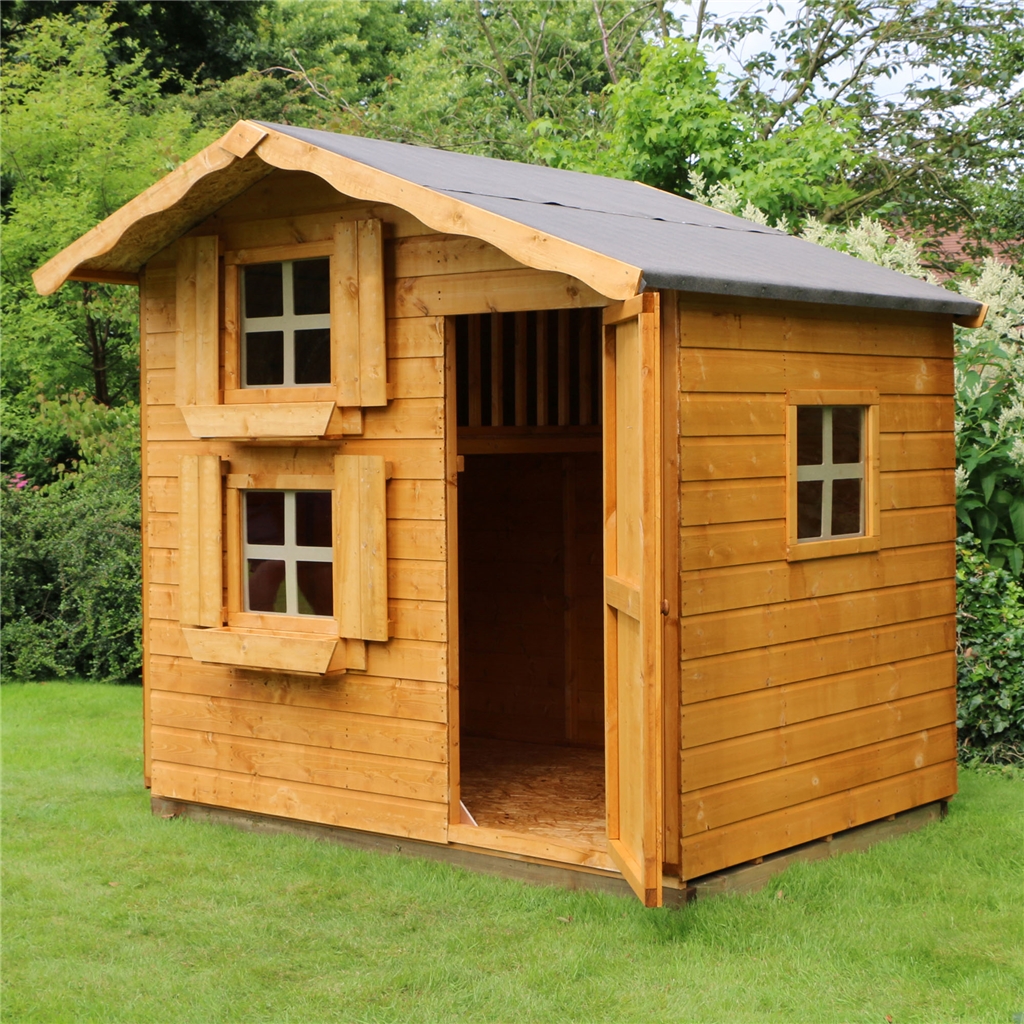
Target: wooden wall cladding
[(815, 695)]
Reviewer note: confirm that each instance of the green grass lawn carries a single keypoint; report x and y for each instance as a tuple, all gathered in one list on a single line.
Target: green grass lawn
[(111, 914)]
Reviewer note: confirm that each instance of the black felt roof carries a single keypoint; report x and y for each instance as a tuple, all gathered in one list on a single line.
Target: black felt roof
[(676, 242)]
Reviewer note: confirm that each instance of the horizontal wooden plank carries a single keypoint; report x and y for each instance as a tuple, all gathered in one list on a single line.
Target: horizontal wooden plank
[(161, 566), (162, 601), (416, 377), (164, 637), (707, 547), (162, 494), (414, 336), (416, 579), (744, 586), (291, 762), (743, 756), (415, 499), (724, 674), (783, 622), (755, 837), (159, 350), (545, 847), (704, 370), (405, 418), (918, 451), (289, 723), (917, 488), (302, 801), (915, 412), (357, 693), (159, 386), (703, 502), (786, 787), (410, 538), (906, 527), (730, 414), (731, 458), (418, 620), (493, 291), (774, 706), (430, 255), (408, 659), (749, 331), (162, 530), (160, 311), (164, 423)]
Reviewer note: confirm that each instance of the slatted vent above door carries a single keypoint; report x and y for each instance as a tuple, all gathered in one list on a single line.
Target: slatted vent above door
[(529, 369)]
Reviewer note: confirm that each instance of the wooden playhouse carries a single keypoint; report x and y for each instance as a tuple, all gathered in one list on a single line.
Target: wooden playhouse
[(529, 513)]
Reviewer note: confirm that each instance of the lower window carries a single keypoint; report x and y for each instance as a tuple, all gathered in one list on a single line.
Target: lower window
[(288, 552)]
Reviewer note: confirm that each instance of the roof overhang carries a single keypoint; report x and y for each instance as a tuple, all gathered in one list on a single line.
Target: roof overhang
[(116, 249)]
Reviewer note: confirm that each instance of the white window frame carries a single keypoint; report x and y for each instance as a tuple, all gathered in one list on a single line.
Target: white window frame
[(290, 552), (289, 322), (828, 472)]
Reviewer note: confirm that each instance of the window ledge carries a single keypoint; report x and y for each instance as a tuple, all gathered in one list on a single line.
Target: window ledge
[(832, 548), (300, 653), (259, 420)]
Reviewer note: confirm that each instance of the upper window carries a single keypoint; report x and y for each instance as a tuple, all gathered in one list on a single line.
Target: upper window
[(286, 323), (288, 552), (830, 471)]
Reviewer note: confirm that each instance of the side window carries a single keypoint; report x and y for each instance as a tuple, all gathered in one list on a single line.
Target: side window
[(832, 473), (286, 324), (288, 552)]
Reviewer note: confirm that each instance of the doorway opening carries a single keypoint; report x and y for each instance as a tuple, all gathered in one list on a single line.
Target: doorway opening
[(530, 569)]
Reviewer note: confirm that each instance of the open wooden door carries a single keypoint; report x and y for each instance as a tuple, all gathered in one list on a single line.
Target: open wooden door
[(632, 565)]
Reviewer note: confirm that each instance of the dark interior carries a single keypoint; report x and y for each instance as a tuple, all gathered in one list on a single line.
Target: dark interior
[(530, 587)]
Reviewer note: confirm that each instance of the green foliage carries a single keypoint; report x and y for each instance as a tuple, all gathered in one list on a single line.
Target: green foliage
[(671, 122), (990, 645), (71, 573), (990, 419), (83, 134)]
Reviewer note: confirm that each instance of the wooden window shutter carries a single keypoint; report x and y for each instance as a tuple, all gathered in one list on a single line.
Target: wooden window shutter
[(200, 547), (361, 562), (357, 313), (197, 349)]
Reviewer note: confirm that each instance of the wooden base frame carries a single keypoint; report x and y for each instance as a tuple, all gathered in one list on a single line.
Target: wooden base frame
[(535, 871)]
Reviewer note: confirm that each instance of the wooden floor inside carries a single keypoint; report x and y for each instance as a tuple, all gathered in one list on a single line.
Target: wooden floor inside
[(540, 790)]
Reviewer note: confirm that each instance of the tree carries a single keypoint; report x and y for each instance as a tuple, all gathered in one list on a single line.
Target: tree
[(940, 150), (83, 134)]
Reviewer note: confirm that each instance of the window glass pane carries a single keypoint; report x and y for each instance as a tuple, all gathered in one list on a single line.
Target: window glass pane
[(316, 588), (264, 517), (846, 420), (846, 507), (311, 280), (808, 504), (266, 585), (313, 519), (264, 294), (264, 357), (808, 435), (313, 356)]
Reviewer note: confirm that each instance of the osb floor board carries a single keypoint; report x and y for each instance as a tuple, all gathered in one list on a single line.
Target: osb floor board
[(535, 788)]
